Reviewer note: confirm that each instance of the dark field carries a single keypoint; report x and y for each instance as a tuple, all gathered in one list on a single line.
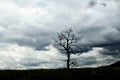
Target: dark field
[(102, 73)]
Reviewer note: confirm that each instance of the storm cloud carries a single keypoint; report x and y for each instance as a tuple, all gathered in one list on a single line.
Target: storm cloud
[(34, 24)]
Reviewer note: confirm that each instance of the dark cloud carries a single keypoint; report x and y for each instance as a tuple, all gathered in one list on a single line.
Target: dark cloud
[(92, 3), (113, 50), (104, 4)]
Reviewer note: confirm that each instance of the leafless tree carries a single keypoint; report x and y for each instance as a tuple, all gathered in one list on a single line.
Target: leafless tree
[(66, 40)]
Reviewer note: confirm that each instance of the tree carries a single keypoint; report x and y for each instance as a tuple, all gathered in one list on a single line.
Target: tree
[(66, 40)]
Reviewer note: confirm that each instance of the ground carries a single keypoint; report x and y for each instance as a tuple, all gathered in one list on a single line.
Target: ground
[(101, 73)]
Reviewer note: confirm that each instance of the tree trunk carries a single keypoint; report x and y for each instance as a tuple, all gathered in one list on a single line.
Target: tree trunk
[(68, 60)]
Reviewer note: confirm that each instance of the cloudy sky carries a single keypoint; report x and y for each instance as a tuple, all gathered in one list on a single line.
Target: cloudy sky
[(28, 29)]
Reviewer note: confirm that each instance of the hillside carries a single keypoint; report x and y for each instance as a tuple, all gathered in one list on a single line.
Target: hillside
[(116, 64), (102, 73)]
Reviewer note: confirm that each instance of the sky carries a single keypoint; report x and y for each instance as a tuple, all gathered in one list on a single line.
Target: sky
[(28, 29)]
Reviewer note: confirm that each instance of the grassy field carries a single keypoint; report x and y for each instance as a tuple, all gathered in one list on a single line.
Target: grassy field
[(102, 73)]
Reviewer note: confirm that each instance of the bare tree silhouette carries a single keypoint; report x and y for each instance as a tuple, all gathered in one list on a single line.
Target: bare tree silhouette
[(66, 40)]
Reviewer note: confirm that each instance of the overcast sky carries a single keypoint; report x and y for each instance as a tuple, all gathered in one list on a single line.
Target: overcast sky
[(28, 29)]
